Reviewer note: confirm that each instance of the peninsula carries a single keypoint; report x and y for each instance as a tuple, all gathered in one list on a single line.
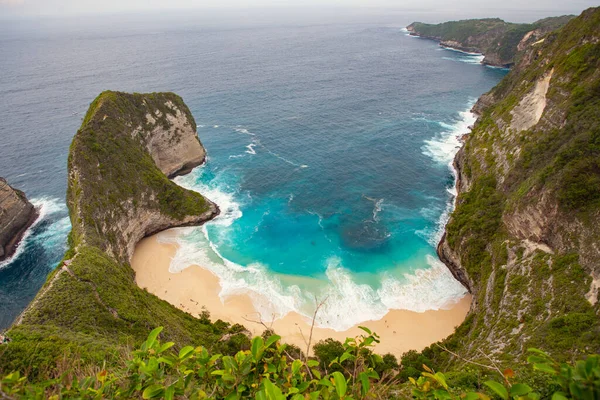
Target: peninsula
[(497, 40), (523, 239)]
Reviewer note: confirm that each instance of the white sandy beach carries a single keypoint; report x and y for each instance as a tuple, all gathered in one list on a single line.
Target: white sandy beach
[(195, 287)]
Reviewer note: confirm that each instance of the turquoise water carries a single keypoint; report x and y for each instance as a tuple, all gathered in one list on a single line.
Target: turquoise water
[(329, 155)]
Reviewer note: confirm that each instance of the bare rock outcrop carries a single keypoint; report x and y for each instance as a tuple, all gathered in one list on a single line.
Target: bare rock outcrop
[(119, 164), (16, 215)]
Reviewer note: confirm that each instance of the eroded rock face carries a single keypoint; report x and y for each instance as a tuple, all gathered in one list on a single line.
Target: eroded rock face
[(119, 162), (176, 149), (524, 235), (500, 42), (16, 215)]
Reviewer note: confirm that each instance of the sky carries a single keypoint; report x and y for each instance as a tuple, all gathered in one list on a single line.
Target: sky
[(30, 8)]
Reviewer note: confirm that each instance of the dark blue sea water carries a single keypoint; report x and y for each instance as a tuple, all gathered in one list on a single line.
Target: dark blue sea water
[(329, 149)]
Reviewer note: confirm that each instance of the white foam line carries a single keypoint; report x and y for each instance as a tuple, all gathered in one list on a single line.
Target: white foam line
[(425, 289), (462, 51), (250, 148), (443, 149), (377, 206), (475, 60), (45, 207)]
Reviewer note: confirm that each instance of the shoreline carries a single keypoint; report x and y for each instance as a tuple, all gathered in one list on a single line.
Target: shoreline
[(194, 288)]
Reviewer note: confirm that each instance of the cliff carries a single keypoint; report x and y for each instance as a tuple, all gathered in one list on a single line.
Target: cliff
[(524, 237), (119, 162), (497, 40), (16, 215), (118, 192)]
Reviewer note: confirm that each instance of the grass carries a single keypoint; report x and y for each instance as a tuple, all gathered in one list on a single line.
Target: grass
[(95, 309)]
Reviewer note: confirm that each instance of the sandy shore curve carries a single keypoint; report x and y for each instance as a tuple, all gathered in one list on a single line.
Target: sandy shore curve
[(194, 288)]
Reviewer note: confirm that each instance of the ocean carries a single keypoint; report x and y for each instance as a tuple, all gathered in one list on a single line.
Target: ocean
[(329, 153)]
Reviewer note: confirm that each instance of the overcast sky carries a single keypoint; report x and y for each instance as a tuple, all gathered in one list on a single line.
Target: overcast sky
[(13, 8)]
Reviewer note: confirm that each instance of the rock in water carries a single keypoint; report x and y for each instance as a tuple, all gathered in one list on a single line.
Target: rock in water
[(16, 215)]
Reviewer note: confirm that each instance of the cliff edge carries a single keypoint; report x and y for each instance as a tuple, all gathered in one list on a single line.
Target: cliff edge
[(497, 40), (16, 215), (118, 192), (524, 237), (119, 162)]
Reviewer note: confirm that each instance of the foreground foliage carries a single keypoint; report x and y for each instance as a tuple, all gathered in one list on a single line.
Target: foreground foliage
[(268, 371)]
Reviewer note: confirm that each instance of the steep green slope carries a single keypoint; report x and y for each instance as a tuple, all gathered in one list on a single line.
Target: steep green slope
[(525, 235), (498, 40), (523, 238), (90, 307)]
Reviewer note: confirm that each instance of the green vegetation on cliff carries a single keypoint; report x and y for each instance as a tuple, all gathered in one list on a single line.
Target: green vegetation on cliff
[(527, 220), (90, 309), (524, 238), (496, 39), (268, 371)]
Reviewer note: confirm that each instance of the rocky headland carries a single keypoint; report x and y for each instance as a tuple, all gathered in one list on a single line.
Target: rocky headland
[(500, 42), (523, 237), (118, 192), (525, 232), (16, 215)]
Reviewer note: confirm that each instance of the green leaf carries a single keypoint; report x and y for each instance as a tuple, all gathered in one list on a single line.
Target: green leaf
[(165, 347), (536, 359), (170, 392), (166, 360), (540, 352), (325, 382), (441, 379), (544, 368), (340, 383), (257, 348), (364, 328), (186, 352), (272, 339), (152, 337), (312, 363), (316, 373), (296, 365), (364, 382), (499, 389), (232, 396), (559, 396), (576, 391), (260, 395), (441, 394), (273, 392), (471, 396), (153, 391), (345, 356), (519, 389)]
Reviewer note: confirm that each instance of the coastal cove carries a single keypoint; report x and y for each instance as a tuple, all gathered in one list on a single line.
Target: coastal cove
[(395, 108), (340, 211), (195, 290)]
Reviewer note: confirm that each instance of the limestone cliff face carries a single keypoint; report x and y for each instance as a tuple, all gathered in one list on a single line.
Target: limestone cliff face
[(119, 162), (118, 192), (525, 235), (174, 147), (16, 215)]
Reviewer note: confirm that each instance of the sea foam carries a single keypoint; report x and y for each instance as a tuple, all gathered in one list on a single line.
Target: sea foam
[(424, 289), (442, 149), (49, 237), (427, 288)]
